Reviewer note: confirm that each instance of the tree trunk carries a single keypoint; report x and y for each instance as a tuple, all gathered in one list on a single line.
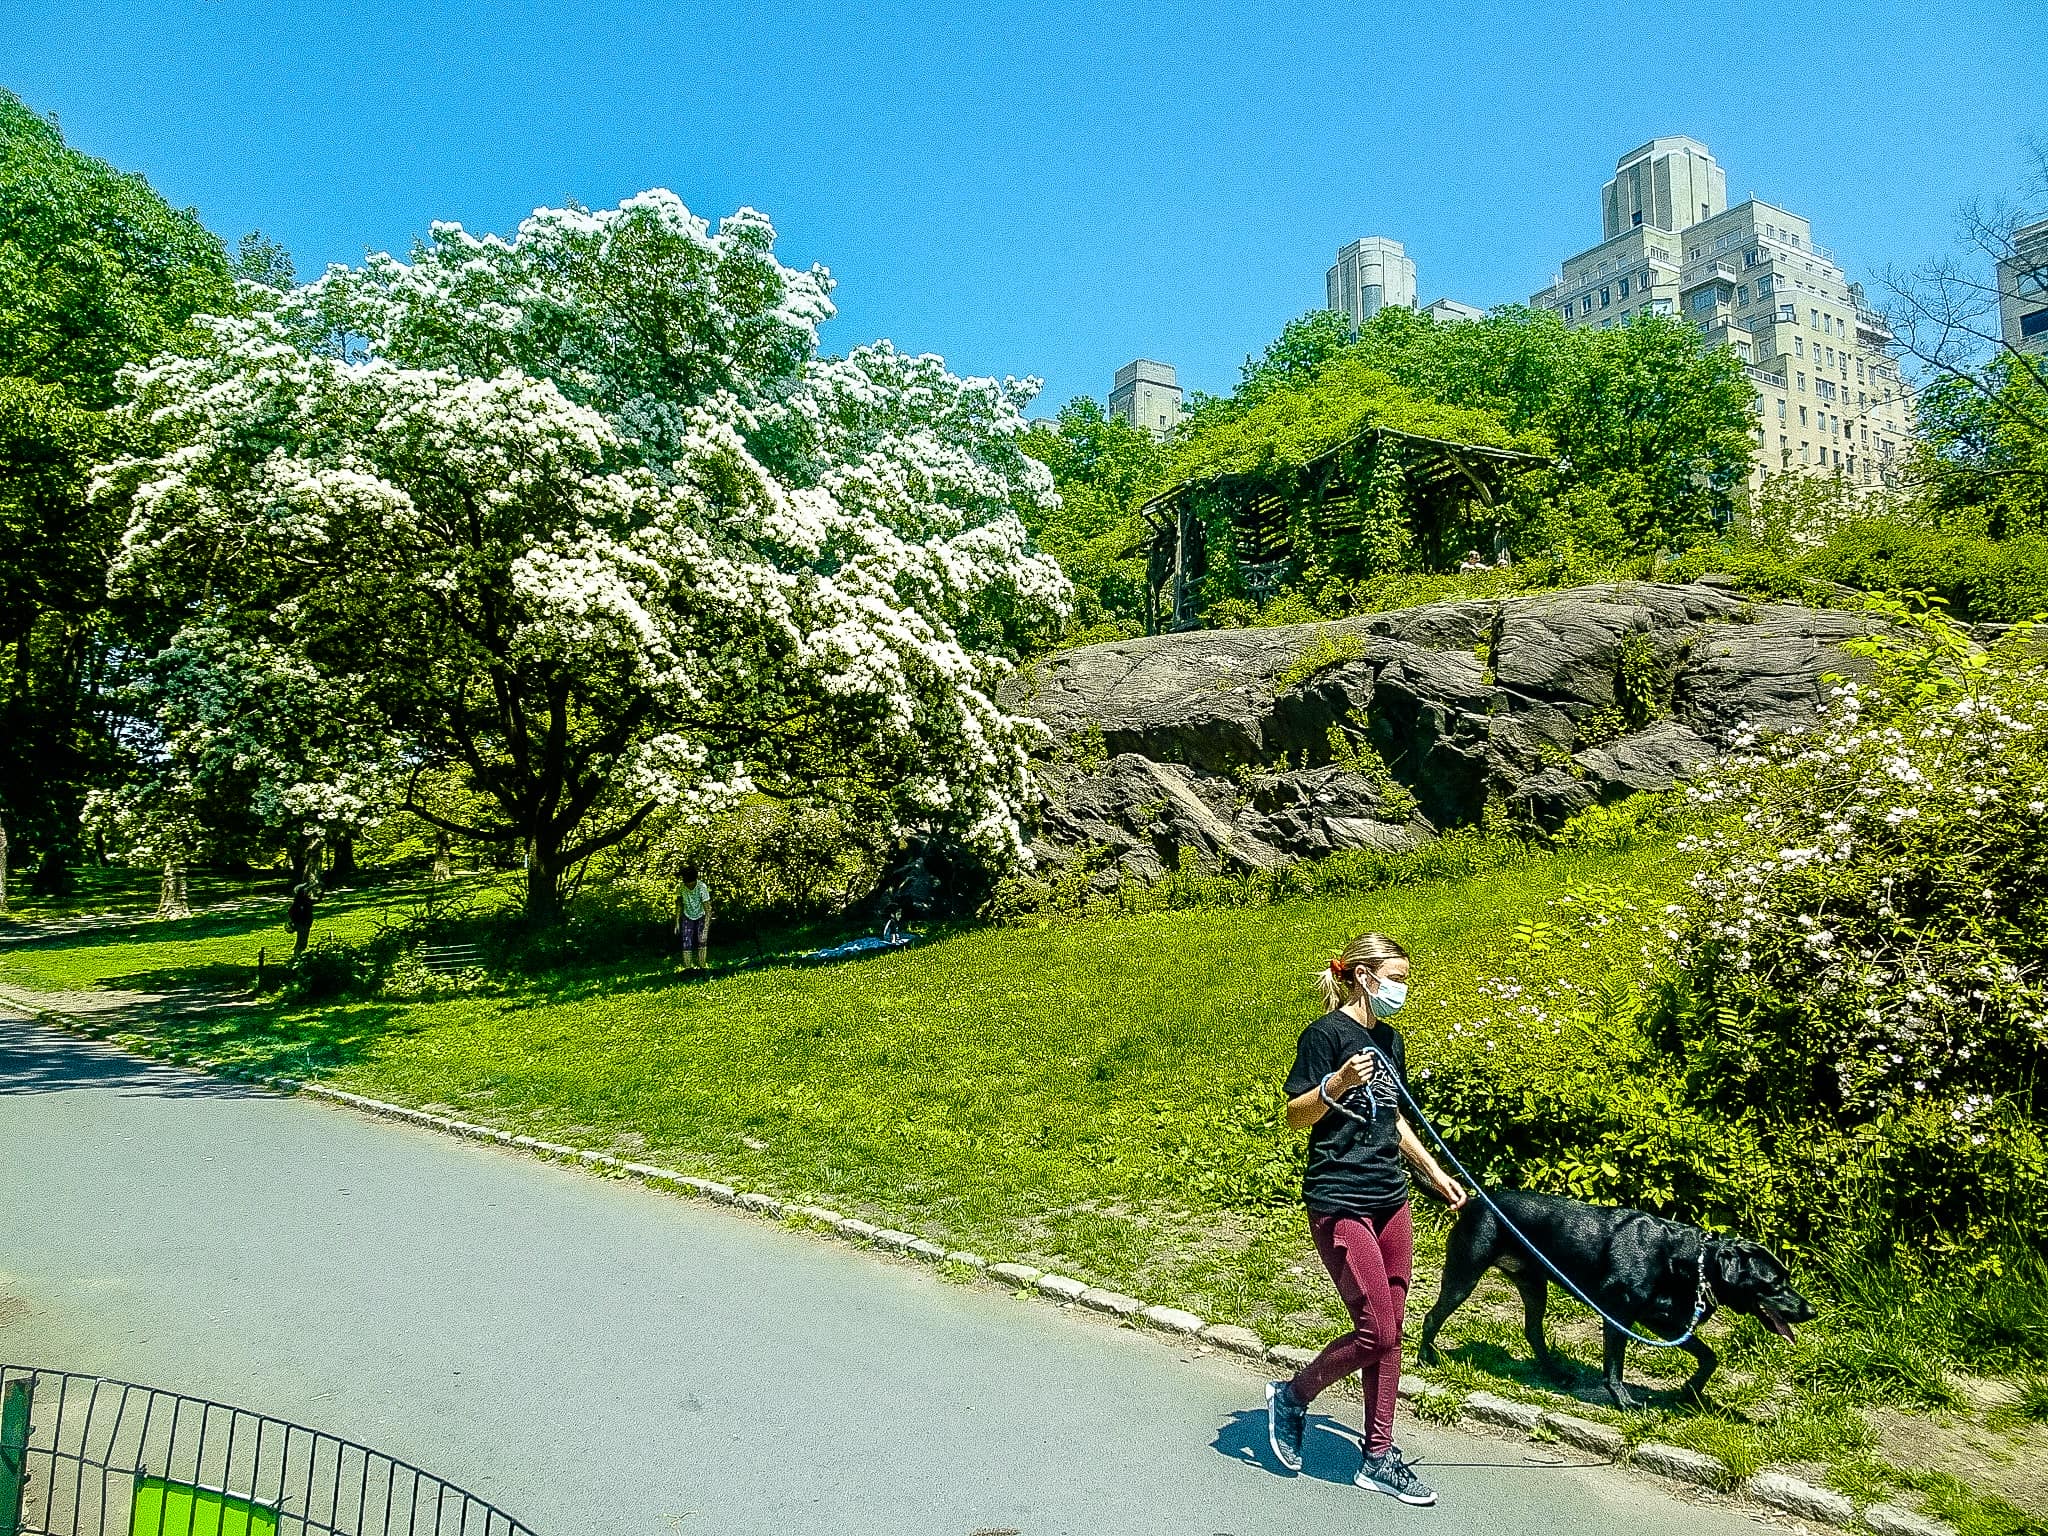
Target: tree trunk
[(444, 865), (543, 882), (3, 869), (342, 858), (171, 900)]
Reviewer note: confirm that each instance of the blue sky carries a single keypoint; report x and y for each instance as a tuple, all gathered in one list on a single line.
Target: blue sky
[(1051, 189)]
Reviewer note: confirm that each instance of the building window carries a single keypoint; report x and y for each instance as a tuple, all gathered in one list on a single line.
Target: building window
[(1802, 387), (1624, 287), (1644, 280), (1806, 453), (1802, 415), (1799, 346), (1742, 295), (1788, 313), (1605, 296), (1763, 286), (1585, 304), (1814, 316), (1566, 311), (1781, 409), (2034, 323), (1636, 217), (1749, 257)]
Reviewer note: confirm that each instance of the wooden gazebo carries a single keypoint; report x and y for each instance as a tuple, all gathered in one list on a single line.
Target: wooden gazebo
[(1273, 517)]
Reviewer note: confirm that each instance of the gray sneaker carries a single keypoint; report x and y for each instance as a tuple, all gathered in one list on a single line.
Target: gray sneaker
[(1286, 1423), (1390, 1474)]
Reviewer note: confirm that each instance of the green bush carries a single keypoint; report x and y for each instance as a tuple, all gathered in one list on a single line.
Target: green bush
[(326, 969), (1981, 579)]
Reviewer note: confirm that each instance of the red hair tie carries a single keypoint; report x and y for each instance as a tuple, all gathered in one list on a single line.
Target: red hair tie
[(1337, 965)]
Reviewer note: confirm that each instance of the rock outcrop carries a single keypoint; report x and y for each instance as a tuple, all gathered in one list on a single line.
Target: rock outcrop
[(1252, 748)]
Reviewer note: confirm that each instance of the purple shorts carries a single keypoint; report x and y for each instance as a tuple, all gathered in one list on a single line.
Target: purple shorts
[(690, 931)]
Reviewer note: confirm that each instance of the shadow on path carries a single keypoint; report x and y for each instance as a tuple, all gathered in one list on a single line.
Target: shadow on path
[(1329, 1451), (37, 1059)]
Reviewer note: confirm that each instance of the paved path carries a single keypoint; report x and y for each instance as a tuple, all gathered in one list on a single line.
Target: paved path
[(596, 1357)]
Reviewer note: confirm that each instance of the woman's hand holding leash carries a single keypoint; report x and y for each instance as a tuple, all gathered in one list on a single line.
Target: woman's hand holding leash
[(1358, 1069)]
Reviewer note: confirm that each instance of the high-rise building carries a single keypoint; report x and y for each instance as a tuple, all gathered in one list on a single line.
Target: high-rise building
[(1371, 275), (1147, 394), (1446, 311), (1829, 395), (2023, 291)]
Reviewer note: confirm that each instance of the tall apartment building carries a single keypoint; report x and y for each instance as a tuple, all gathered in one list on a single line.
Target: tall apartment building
[(1371, 275), (2023, 291), (1450, 311), (1829, 396), (1147, 394)]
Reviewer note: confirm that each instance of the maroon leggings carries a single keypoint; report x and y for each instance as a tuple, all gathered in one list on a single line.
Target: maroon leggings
[(1372, 1271)]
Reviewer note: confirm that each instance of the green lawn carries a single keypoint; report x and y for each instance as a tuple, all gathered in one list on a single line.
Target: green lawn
[(1095, 1096)]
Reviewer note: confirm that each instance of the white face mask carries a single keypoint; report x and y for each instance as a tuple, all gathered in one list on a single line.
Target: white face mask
[(1389, 998)]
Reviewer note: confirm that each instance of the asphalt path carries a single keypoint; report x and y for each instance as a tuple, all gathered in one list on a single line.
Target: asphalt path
[(595, 1357)]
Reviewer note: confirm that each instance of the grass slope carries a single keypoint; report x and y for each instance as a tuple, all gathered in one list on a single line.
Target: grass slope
[(1098, 1097)]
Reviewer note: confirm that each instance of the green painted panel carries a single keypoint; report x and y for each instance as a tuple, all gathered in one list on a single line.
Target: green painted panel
[(165, 1508), (14, 1411)]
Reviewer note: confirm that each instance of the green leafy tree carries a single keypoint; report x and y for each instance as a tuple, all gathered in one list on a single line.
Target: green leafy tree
[(1650, 422), (1983, 450), (1103, 468), (96, 272)]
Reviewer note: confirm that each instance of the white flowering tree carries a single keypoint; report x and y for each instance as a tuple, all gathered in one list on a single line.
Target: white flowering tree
[(583, 515)]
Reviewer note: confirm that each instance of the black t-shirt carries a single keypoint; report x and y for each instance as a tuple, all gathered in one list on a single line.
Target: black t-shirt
[(1354, 1168)]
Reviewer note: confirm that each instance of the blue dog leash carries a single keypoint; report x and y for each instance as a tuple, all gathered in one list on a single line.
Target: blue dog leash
[(1702, 1296)]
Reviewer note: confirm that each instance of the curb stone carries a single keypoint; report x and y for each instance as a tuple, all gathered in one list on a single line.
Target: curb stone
[(1797, 1497), (1172, 1319), (1601, 1439), (1890, 1520), (1113, 1302), (1239, 1341), (1775, 1490), (1490, 1409), (1674, 1461)]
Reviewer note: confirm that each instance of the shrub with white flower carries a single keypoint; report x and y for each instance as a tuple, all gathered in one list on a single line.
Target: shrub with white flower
[(1870, 925), (582, 515)]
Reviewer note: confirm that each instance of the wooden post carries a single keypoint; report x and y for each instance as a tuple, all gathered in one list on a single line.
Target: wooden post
[(3, 868)]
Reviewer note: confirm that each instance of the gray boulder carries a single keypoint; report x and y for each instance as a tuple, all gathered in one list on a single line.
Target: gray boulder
[(1248, 749)]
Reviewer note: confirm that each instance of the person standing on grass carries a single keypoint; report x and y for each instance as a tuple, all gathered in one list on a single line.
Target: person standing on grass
[(1344, 1089), (693, 916), (299, 916)]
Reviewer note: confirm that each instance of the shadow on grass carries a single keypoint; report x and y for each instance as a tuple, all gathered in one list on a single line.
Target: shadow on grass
[(276, 1041)]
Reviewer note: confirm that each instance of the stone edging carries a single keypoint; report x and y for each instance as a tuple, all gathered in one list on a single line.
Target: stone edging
[(1776, 1490)]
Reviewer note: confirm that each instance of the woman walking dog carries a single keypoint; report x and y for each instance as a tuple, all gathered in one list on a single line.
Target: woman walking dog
[(1356, 1190)]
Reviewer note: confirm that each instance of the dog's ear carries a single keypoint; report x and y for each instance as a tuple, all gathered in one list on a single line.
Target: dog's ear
[(1730, 1265)]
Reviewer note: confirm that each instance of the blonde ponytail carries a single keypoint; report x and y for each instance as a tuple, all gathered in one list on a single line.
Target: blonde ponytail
[(1338, 981)]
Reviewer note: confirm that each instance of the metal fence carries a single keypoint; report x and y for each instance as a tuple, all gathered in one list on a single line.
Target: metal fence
[(85, 1456)]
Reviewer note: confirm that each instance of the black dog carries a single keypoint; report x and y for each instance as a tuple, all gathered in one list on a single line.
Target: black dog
[(1648, 1272)]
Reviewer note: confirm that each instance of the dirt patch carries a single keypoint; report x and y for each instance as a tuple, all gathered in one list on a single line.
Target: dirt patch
[(2012, 1463)]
